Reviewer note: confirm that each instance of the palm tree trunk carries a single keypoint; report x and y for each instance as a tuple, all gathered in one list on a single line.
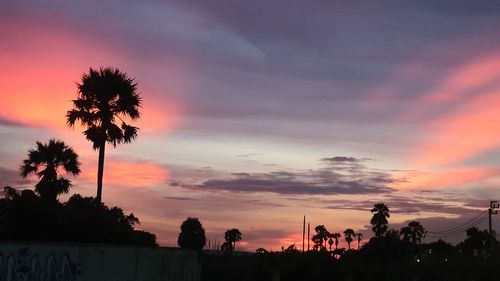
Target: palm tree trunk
[(100, 171)]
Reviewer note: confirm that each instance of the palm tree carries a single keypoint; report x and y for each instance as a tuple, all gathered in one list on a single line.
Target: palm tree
[(349, 234), (359, 235), (414, 232), (106, 97), (336, 236), (321, 237), (406, 233), (45, 161), (232, 236), (379, 219)]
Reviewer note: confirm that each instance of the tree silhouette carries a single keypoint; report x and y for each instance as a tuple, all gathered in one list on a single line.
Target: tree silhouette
[(105, 97), (321, 237), (359, 235), (336, 236), (45, 162), (413, 233), (476, 240), (192, 235), (349, 234), (232, 236), (379, 220), (330, 241)]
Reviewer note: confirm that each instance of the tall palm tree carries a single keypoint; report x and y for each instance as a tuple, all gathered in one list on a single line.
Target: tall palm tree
[(349, 234), (359, 235), (106, 98), (379, 219), (45, 162)]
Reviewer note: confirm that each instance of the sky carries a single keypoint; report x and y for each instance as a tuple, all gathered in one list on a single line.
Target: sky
[(256, 113)]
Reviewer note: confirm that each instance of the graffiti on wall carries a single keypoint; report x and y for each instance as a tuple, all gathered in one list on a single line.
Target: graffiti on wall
[(24, 266)]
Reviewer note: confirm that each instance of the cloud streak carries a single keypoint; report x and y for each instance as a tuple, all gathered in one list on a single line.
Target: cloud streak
[(342, 175)]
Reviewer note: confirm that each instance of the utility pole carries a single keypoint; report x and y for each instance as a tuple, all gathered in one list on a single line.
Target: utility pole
[(492, 211), (308, 231), (303, 233)]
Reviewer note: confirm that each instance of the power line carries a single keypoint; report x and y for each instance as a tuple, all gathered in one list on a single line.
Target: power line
[(465, 224), (457, 231)]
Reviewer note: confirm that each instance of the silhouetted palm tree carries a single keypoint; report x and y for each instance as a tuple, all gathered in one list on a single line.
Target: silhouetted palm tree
[(45, 161), (321, 237), (330, 242), (232, 236), (359, 235), (192, 235), (414, 232), (106, 97), (336, 236), (406, 233), (379, 219), (349, 234)]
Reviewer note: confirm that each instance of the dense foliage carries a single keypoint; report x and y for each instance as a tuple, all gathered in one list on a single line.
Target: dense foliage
[(25, 216)]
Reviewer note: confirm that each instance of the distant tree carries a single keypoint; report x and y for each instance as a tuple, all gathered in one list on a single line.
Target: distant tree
[(45, 162), (261, 251), (106, 97), (330, 242), (379, 220), (291, 249), (349, 234), (405, 233), (413, 233), (232, 236), (10, 193), (192, 235), (321, 237), (359, 236), (392, 233), (476, 240), (226, 247), (336, 237)]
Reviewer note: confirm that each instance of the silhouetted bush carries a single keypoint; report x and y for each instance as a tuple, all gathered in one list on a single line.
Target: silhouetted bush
[(28, 217)]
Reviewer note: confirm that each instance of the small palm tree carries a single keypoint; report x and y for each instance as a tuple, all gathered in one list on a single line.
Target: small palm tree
[(414, 232), (336, 236), (106, 98), (232, 236), (379, 219), (349, 234), (45, 161), (359, 235)]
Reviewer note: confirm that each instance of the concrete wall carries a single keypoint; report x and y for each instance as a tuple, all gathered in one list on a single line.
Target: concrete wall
[(78, 262)]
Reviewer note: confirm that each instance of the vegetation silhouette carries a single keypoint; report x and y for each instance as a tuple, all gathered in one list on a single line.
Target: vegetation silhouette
[(45, 162), (349, 236), (359, 236), (389, 257), (192, 235), (106, 97), (320, 238), (231, 236), (379, 219), (28, 217), (413, 233)]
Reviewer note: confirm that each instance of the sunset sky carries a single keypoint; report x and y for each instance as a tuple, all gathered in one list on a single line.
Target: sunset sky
[(256, 113)]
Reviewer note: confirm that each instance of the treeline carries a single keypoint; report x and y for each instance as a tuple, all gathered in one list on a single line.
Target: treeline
[(390, 255)]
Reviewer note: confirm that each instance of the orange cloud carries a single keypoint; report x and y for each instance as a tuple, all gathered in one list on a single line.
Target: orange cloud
[(466, 132), (449, 178), (127, 174), (41, 64)]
